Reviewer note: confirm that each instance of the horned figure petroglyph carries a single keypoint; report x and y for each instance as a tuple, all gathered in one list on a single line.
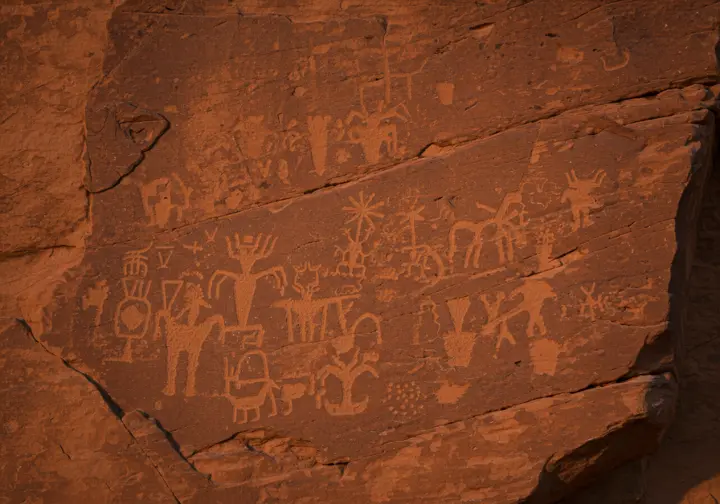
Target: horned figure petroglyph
[(423, 260), (353, 256), (579, 197), (373, 130), (186, 336), (247, 252), (134, 312), (157, 200), (241, 377), (346, 373), (308, 309), (507, 227)]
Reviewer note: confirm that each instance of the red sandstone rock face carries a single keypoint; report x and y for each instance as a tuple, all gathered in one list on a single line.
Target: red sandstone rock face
[(369, 253)]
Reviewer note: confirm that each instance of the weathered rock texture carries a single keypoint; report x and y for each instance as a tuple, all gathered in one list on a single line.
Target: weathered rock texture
[(346, 252)]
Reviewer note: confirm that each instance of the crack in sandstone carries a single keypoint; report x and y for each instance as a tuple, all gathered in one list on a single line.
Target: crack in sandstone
[(343, 182), (113, 407)]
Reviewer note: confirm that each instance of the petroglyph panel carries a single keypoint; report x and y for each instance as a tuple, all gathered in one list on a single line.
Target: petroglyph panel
[(487, 275), (261, 109)]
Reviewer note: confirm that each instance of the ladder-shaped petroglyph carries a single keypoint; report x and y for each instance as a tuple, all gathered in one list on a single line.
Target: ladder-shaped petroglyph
[(506, 227), (162, 197), (134, 312), (247, 252), (459, 344), (579, 195), (183, 330), (353, 256), (248, 386)]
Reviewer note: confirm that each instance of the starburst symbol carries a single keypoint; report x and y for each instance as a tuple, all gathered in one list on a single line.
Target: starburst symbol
[(364, 210)]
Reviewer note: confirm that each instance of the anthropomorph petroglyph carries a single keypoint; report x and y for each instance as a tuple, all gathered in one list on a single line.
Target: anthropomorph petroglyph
[(134, 312), (184, 333), (248, 386), (313, 314), (247, 252), (161, 197), (506, 225), (95, 297), (362, 211), (373, 130), (593, 304), (578, 194), (318, 129), (424, 263)]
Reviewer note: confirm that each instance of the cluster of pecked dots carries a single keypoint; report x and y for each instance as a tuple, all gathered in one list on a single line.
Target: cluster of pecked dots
[(404, 398)]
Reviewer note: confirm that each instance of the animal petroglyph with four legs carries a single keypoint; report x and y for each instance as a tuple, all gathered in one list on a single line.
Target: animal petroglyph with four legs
[(245, 379), (506, 226)]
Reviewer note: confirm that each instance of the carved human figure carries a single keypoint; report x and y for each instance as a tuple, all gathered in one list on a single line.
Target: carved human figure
[(352, 257), (373, 130), (424, 264), (247, 252), (158, 203), (506, 225), (578, 194), (241, 386), (184, 333), (593, 303), (318, 129), (346, 373), (95, 297), (134, 312)]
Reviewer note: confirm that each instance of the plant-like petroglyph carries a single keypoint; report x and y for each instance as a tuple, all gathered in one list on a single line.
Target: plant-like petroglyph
[(506, 227), (352, 257), (459, 344), (579, 195), (359, 364)]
